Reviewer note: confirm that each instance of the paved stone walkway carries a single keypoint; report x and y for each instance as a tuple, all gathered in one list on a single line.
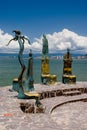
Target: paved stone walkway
[(71, 116), (12, 118)]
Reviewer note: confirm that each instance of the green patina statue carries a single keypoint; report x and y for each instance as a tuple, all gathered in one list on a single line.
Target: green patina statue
[(45, 46), (21, 40), (46, 77), (23, 87), (29, 74)]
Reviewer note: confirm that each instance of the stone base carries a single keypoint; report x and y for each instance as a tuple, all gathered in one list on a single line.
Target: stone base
[(69, 79), (48, 79)]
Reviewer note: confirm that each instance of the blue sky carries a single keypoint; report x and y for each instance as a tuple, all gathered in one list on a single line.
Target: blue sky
[(35, 17)]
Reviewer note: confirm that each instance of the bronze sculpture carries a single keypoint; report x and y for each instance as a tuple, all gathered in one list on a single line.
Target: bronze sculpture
[(67, 76), (29, 74), (45, 46), (46, 77), (67, 59), (18, 83), (21, 40)]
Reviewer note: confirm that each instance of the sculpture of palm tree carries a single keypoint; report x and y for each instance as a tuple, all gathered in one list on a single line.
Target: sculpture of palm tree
[(21, 41)]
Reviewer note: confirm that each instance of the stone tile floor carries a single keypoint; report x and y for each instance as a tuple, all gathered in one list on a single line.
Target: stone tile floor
[(72, 116)]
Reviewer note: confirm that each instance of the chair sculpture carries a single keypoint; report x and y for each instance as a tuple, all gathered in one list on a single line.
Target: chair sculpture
[(67, 69), (24, 86), (46, 77)]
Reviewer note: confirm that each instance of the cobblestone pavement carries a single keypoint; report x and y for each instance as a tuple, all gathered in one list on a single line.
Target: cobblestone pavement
[(12, 118), (72, 116)]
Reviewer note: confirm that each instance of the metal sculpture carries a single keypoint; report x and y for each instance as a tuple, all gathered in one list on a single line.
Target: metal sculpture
[(21, 41), (29, 74), (67, 69), (19, 84), (46, 78), (45, 46), (67, 59)]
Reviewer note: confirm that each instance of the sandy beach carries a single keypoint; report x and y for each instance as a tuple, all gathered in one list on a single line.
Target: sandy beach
[(59, 113)]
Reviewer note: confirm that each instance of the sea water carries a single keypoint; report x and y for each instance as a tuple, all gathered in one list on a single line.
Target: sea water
[(10, 69)]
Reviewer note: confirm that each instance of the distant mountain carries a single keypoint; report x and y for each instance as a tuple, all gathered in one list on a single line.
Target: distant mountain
[(37, 55), (8, 54), (16, 55)]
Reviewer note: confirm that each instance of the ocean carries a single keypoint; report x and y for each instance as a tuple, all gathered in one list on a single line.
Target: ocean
[(10, 69)]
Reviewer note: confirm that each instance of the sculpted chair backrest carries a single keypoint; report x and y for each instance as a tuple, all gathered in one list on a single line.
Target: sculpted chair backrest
[(67, 69), (45, 46)]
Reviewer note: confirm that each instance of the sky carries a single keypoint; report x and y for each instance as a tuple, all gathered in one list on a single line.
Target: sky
[(63, 21)]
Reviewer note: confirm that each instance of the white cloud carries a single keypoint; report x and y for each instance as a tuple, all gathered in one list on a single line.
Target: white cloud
[(4, 38), (12, 47), (58, 42), (67, 39)]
